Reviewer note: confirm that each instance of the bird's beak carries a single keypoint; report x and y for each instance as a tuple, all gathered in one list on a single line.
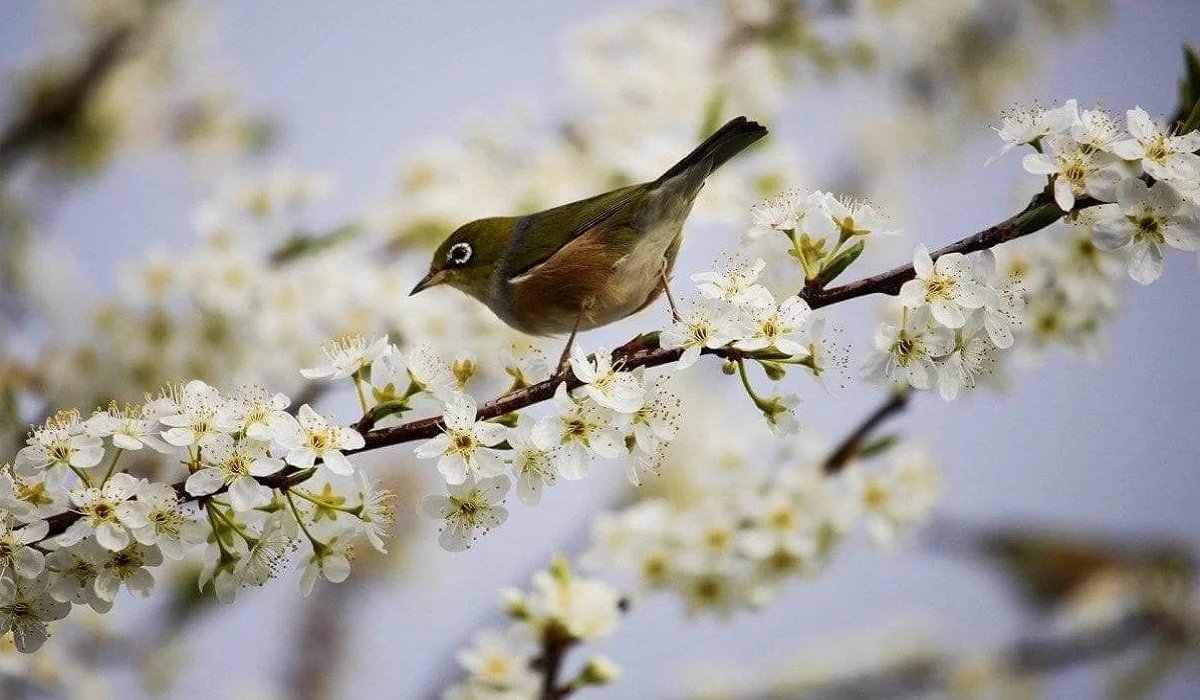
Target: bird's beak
[(433, 279)]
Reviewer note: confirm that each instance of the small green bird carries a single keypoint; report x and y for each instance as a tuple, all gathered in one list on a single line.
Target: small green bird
[(588, 263)]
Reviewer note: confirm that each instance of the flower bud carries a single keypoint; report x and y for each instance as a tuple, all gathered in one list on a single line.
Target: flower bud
[(600, 670)]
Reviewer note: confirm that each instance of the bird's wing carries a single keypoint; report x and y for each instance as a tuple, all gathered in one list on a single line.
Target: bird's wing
[(540, 235)]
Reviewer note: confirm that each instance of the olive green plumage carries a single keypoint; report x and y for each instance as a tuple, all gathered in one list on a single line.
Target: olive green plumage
[(587, 263)]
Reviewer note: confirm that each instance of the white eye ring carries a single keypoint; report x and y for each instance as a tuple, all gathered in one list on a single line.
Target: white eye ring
[(459, 253)]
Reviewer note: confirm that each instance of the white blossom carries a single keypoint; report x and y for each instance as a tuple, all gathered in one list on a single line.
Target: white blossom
[(470, 508), (376, 513), (1077, 171), (532, 466), (500, 661), (973, 357), (106, 512), (1028, 125), (463, 448), (586, 608), (1144, 219), (194, 422), (947, 286), (129, 429), (25, 608), (235, 464), (736, 283), (1163, 156), (61, 444), (347, 356), (705, 325), (252, 410), (329, 560), (15, 553), (127, 567), (906, 353), (782, 214), (774, 327), (575, 431), (606, 384), (310, 437)]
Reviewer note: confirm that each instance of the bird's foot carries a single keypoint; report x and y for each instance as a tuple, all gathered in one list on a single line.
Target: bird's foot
[(665, 282)]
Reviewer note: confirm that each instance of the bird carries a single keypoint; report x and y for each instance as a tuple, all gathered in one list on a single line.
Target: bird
[(589, 263)]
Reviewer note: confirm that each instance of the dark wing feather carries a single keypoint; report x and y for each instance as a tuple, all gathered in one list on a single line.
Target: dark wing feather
[(542, 234)]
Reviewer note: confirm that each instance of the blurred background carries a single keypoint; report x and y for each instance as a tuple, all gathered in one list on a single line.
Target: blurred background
[(388, 124)]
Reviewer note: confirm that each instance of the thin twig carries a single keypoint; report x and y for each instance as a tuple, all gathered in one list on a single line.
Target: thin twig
[(850, 447)]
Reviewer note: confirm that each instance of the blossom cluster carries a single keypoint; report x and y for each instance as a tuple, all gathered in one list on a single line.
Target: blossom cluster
[(246, 485), (960, 312), (612, 414), (955, 317), (737, 309), (1147, 176), (561, 610), (733, 543)]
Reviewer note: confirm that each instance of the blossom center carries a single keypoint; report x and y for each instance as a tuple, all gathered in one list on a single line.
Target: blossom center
[(1147, 227), (938, 287), (103, 511), (1157, 151), (237, 465), (463, 442), (905, 348), (782, 519), (1075, 172), (319, 441), (496, 666), (875, 496), (577, 428), (61, 451)]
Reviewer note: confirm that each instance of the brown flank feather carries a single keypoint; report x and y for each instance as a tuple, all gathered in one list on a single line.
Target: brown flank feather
[(578, 276)]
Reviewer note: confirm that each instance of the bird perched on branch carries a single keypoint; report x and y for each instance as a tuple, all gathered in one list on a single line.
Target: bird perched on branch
[(589, 263)]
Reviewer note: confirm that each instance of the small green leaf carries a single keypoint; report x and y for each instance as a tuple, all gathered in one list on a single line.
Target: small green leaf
[(878, 446), (1189, 84), (301, 245), (836, 266), (1192, 123), (508, 420), (388, 408), (774, 370)]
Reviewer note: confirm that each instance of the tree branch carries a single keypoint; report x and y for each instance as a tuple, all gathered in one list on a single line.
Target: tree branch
[(643, 351), (1042, 211), (58, 111), (1032, 656)]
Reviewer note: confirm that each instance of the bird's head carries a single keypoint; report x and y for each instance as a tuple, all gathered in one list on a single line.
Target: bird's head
[(467, 260)]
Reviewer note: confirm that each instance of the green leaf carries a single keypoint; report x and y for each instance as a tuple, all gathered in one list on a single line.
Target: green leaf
[(836, 266), (1192, 123), (1189, 85), (878, 446), (302, 245), (388, 408), (774, 370)]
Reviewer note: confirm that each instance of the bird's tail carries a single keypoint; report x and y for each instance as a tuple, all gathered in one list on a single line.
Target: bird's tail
[(725, 143)]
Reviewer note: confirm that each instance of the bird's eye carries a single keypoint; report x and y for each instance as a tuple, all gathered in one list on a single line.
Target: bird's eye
[(459, 253)]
